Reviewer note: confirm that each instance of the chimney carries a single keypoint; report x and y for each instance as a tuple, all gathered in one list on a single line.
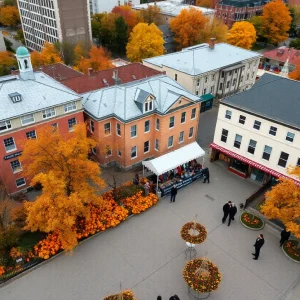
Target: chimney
[(115, 77), (90, 71), (212, 43)]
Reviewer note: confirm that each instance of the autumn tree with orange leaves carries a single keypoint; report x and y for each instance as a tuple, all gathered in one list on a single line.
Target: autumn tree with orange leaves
[(276, 21), (187, 27), (283, 202), (145, 41), (242, 34), (216, 29), (131, 17), (9, 16), (69, 181), (295, 74), (98, 59), (7, 60)]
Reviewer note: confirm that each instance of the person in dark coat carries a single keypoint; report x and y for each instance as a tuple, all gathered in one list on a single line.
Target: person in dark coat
[(175, 297), (158, 297), (173, 193), (258, 244), (232, 212), (206, 175), (226, 209), (285, 235)]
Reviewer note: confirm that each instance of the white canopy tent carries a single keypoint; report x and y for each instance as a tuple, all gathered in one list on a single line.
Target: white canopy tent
[(172, 160)]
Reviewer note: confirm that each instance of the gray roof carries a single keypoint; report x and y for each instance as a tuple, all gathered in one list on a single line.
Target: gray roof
[(201, 59), (272, 97), (38, 94), (121, 101)]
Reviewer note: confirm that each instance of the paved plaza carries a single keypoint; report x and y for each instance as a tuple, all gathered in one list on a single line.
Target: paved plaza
[(146, 253)]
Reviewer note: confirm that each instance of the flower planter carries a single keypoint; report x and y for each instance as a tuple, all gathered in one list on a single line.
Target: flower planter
[(256, 224), (193, 233), (289, 249)]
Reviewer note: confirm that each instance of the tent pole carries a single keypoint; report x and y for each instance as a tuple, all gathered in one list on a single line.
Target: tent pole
[(143, 171), (156, 184), (203, 162)]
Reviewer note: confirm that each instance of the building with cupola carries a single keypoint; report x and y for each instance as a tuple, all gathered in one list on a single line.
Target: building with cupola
[(28, 101)]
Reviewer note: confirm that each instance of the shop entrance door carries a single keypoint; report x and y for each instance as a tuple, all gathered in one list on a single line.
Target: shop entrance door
[(257, 175)]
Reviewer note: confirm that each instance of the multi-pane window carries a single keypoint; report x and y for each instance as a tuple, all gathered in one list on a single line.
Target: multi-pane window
[(108, 151), (5, 125), (237, 141), (31, 134), (156, 144), (133, 131), (176, 77), (183, 115), (191, 132), (228, 114), (224, 135), (242, 119), (118, 129), (181, 137), (71, 123), (170, 141), (251, 146), (148, 106), (70, 106), (48, 113), (20, 182), (133, 152), (27, 119), (273, 130), (267, 152), (193, 114), (147, 126), (256, 125), (16, 166), (9, 144), (283, 159), (55, 126), (107, 128), (146, 146), (172, 122), (157, 124), (198, 82), (290, 136), (92, 126)]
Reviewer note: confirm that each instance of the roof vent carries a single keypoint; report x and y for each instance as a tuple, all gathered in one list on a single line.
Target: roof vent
[(105, 82), (15, 97)]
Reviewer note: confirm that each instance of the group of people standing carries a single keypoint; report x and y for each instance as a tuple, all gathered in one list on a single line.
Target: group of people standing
[(229, 209)]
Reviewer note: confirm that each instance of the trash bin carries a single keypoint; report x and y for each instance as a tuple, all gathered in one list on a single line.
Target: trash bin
[(158, 194)]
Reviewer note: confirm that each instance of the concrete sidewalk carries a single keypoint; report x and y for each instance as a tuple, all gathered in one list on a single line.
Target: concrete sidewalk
[(146, 254)]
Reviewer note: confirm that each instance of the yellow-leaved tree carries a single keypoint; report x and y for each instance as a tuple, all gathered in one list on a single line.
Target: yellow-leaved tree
[(242, 34), (145, 41), (70, 181), (283, 202), (187, 27), (216, 29)]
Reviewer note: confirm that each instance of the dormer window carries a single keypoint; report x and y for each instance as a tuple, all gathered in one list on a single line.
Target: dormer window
[(15, 97), (5, 125), (148, 105)]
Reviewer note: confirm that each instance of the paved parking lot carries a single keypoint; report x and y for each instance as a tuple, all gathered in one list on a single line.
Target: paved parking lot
[(146, 253)]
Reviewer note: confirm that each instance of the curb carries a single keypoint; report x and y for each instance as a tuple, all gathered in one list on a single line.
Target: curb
[(64, 252), (251, 228), (296, 261)]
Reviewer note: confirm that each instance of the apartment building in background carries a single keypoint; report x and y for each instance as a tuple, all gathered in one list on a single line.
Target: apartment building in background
[(55, 20), (141, 119), (210, 70), (258, 131), (28, 101), (100, 6)]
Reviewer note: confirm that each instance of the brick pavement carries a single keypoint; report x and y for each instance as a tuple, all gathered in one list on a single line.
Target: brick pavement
[(145, 253)]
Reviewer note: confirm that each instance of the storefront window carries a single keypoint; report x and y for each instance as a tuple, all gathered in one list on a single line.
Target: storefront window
[(239, 166)]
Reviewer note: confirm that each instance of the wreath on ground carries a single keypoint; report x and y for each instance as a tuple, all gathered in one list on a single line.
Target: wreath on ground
[(290, 248), (193, 233), (251, 221), (125, 295), (202, 275)]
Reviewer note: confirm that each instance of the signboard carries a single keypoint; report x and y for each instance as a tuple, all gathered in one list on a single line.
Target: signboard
[(184, 182), (12, 155)]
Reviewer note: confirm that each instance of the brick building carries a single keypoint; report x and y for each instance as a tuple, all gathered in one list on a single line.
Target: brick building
[(231, 11), (28, 101)]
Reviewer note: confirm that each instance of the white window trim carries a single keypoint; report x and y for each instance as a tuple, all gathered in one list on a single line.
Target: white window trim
[(156, 124), (117, 129), (133, 137), (173, 122), (109, 128), (28, 122), (67, 104), (44, 113), (72, 128), (21, 184), (91, 131), (145, 126), (286, 161), (172, 142), (155, 145), (19, 170), (148, 147), (192, 134), (118, 153), (181, 118), (30, 131), (287, 135), (192, 113), (180, 142), (136, 152), (3, 130), (8, 151)]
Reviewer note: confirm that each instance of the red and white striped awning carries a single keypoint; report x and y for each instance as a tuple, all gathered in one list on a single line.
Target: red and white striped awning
[(251, 162)]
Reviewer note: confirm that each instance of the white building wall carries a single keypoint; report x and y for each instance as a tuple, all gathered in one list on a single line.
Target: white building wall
[(99, 6), (262, 137)]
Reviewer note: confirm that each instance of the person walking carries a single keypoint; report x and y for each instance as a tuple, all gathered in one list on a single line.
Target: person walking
[(258, 244), (173, 193), (206, 175), (226, 209), (232, 212), (285, 235)]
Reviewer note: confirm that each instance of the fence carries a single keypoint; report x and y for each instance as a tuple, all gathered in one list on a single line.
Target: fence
[(256, 194)]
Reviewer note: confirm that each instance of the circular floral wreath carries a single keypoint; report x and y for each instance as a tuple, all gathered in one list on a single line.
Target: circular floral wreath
[(202, 283), (189, 228)]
